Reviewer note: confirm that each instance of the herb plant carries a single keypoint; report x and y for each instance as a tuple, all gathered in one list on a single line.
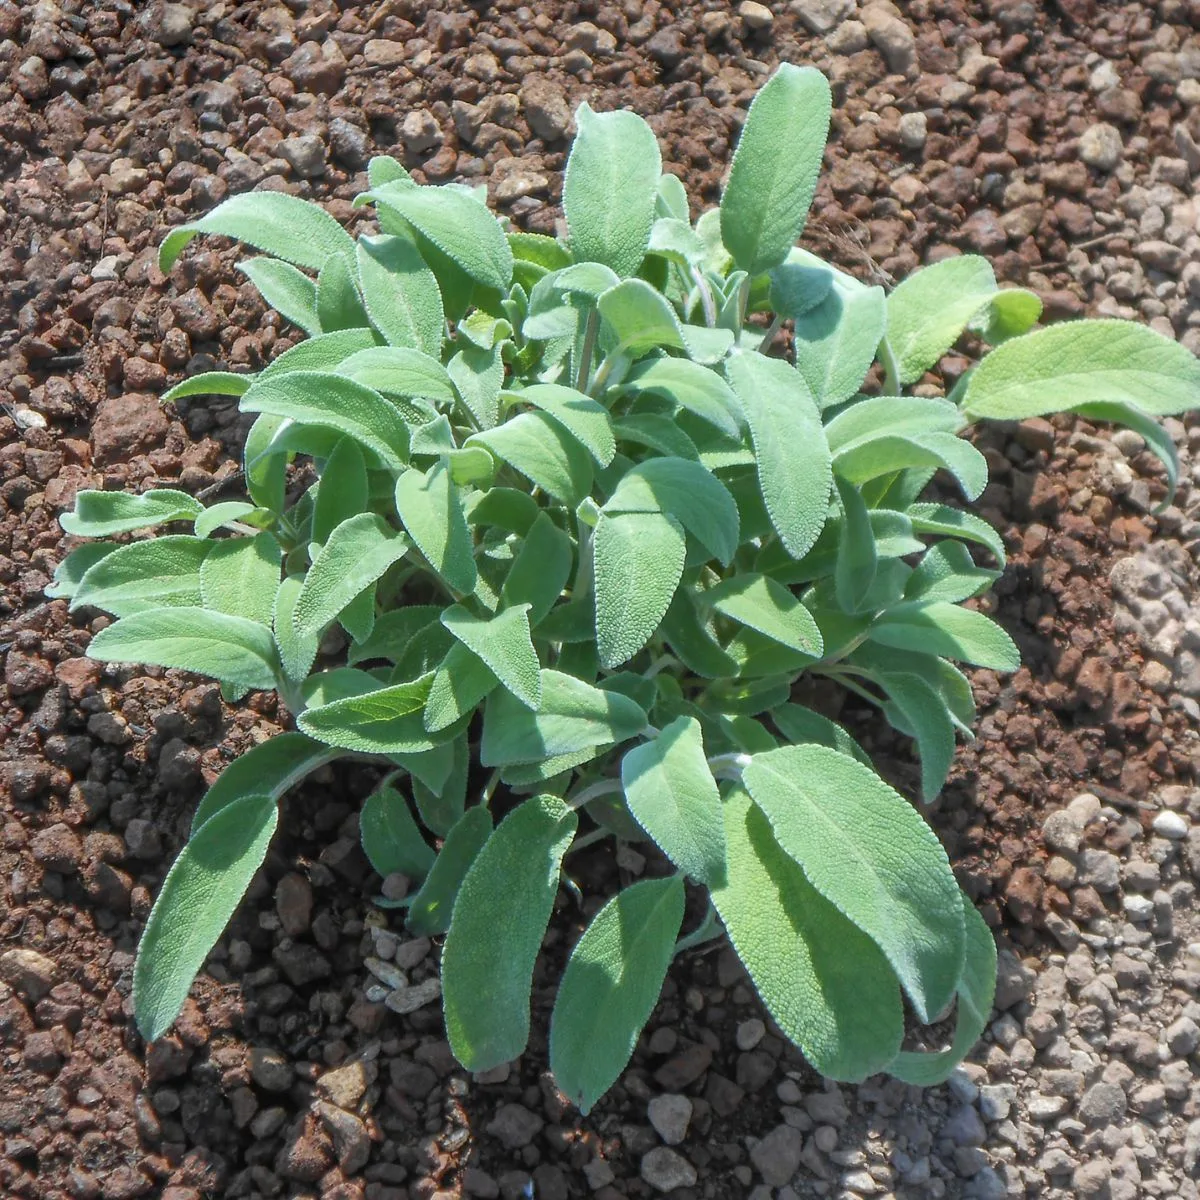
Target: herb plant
[(578, 526)]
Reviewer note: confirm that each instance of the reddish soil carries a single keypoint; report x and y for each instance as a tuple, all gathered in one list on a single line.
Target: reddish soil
[(117, 122)]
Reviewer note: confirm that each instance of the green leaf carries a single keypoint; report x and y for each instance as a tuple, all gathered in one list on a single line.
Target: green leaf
[(801, 282), (429, 912), (270, 768), (609, 188), (673, 238), (947, 572), (775, 167), (145, 575), (949, 632), (673, 796), (199, 895), (329, 401), (430, 508), (487, 965), (583, 418), (825, 982), (540, 570), (929, 722), (344, 490), (355, 556), (872, 856), (459, 684), (387, 721), (976, 991), (1084, 362), (70, 572), (610, 986), (101, 514), (953, 522), (399, 371), (240, 576), (401, 294), (539, 249), (639, 319), (1012, 312), (760, 603), (383, 168), (573, 716), (794, 468), (659, 433), (297, 652), (390, 837), (209, 520), (238, 652), (338, 303), (266, 473), (691, 386), (687, 492), (928, 311), (324, 687), (209, 383), (857, 557), (693, 642), (479, 375), (890, 416), (504, 643), (290, 292), (800, 724), (638, 561), (886, 454), (456, 223), (393, 632), (274, 222), (541, 450), (322, 353), (1157, 440), (836, 342)]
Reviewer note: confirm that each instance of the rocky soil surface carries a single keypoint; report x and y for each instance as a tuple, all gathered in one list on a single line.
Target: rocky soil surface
[(1061, 139)]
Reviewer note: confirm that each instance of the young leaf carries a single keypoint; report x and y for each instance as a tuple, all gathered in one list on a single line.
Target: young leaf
[(929, 722), (638, 561), (581, 416), (504, 643), (356, 554), (322, 353), (774, 172), (573, 716), (673, 796), (101, 514), (953, 522), (199, 895), (238, 652), (388, 721), (338, 303), (440, 789), (928, 311), (401, 294), (540, 570), (948, 572), (478, 375), (857, 558), (887, 454), (976, 990), (870, 854), (1157, 440), (800, 724), (694, 387), (459, 684), (487, 965), (795, 471), (329, 401), (209, 383), (209, 520), (163, 572), (1083, 362), (1010, 313), (70, 572), (639, 319), (266, 471), (610, 986), (800, 283), (270, 769), (836, 341), (290, 292), (383, 168), (687, 492), (536, 446), (430, 508), (429, 912), (825, 982), (400, 372), (274, 222), (949, 632), (240, 576), (454, 222), (390, 837), (609, 188), (890, 416), (343, 492), (760, 603)]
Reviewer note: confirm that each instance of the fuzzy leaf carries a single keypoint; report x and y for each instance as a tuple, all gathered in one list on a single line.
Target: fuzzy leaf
[(297, 652), (238, 652), (775, 167), (857, 557), (930, 724), (390, 837), (836, 342), (338, 303), (800, 724), (145, 575), (540, 570), (673, 796), (609, 188), (101, 514), (953, 522), (639, 319), (694, 387), (487, 965), (610, 986), (583, 418), (949, 632), (401, 294), (479, 375), (794, 467), (430, 508), (537, 446), (887, 454), (344, 491), (890, 416), (760, 603), (504, 643), (289, 291), (240, 576), (399, 371), (387, 721), (429, 912), (200, 894)]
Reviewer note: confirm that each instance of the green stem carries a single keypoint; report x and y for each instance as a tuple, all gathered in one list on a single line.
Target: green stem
[(603, 787), (708, 930), (728, 766), (706, 298), (590, 839), (603, 372), (591, 331), (891, 370)]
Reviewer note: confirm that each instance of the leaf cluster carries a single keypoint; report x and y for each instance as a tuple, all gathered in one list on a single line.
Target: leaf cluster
[(576, 525)]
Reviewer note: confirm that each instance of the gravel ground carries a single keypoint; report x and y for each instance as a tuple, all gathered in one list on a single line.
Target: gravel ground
[(1063, 140)]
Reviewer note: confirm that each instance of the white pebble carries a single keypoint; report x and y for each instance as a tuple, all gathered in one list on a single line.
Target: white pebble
[(1171, 825)]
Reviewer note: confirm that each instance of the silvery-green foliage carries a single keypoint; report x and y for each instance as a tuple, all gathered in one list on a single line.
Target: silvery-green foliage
[(579, 524)]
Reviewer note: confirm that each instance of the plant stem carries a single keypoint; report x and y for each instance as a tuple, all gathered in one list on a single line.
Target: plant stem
[(590, 332), (769, 337), (729, 766), (708, 930), (706, 298), (891, 370), (743, 303), (602, 373), (603, 787), (590, 839)]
